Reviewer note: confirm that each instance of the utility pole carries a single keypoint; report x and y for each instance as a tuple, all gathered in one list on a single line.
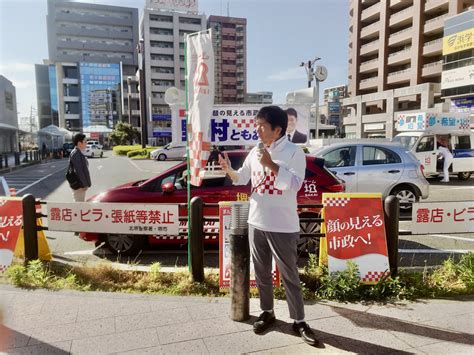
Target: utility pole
[(141, 74), (318, 73)]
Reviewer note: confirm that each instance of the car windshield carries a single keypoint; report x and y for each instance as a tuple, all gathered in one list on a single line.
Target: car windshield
[(407, 141)]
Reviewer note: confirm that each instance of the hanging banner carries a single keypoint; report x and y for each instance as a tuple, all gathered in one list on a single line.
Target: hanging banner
[(235, 124), (200, 66), (355, 231), (11, 221), (225, 211), (120, 218)]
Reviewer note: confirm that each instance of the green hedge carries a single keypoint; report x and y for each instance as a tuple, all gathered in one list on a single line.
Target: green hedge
[(124, 149), (141, 153)]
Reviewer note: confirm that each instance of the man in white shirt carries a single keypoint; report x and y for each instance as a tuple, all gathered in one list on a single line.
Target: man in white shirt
[(445, 152), (277, 172)]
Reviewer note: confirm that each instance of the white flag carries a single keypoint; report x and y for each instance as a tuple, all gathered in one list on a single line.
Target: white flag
[(200, 64)]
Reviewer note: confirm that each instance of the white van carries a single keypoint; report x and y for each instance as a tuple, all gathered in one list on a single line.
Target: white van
[(423, 143)]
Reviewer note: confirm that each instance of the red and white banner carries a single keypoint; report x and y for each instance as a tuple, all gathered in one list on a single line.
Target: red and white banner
[(11, 221), (200, 65), (355, 231), (120, 218), (443, 217)]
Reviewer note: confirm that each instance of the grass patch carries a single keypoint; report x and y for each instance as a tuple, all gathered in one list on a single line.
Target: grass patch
[(451, 278)]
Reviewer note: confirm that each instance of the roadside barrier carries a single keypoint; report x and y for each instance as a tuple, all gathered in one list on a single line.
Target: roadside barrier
[(199, 233)]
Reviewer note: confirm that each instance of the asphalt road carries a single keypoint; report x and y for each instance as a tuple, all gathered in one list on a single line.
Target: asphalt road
[(47, 181)]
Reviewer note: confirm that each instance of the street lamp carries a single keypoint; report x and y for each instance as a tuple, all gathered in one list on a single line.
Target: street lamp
[(129, 84), (141, 76), (319, 73)]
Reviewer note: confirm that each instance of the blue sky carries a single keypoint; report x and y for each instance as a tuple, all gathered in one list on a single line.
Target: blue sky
[(280, 35)]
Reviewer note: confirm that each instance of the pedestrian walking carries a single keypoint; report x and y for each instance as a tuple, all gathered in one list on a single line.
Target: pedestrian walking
[(445, 152), (276, 169), (79, 169)]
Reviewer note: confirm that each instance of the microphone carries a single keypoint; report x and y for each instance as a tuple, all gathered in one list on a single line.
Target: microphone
[(260, 146)]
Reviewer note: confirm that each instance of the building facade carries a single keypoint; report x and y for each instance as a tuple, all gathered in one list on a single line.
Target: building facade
[(261, 97), (229, 37), (8, 117), (395, 61), (91, 48), (457, 77), (333, 97), (163, 33)]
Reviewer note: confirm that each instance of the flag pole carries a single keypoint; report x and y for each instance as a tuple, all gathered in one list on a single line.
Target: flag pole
[(188, 180)]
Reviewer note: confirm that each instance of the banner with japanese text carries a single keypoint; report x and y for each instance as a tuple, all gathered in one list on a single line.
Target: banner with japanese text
[(443, 217), (200, 87), (225, 211), (354, 224), (11, 221), (235, 124), (120, 218)]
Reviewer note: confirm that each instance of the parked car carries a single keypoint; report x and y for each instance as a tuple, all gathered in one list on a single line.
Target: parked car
[(93, 151), (170, 187), (169, 151), (93, 142), (67, 149), (377, 167)]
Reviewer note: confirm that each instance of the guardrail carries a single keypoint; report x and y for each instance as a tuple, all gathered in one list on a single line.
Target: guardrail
[(196, 248)]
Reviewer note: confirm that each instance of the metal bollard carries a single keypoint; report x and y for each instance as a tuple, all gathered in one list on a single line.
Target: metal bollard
[(5, 156), (30, 230), (26, 157), (17, 158), (392, 219), (1, 161), (240, 262), (196, 248), (31, 158)]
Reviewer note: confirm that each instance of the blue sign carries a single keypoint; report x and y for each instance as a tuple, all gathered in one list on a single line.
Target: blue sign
[(161, 134), (334, 107), (160, 117)]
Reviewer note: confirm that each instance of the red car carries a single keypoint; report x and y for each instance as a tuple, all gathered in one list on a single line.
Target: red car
[(170, 187)]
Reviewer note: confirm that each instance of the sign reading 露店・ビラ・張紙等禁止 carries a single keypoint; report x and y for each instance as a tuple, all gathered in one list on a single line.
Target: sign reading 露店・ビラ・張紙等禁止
[(129, 218), (443, 217), (355, 231)]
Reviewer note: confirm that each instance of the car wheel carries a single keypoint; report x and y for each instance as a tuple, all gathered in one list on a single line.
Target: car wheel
[(405, 195), (162, 157), (464, 175), (125, 244), (309, 244)]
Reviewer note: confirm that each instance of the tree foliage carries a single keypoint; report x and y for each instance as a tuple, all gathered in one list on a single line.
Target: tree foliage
[(124, 133)]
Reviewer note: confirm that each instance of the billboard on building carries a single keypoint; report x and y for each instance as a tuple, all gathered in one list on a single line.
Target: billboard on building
[(463, 105), (100, 93), (458, 77), (459, 41)]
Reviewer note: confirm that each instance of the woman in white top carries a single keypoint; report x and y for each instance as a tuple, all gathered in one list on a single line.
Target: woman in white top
[(443, 150)]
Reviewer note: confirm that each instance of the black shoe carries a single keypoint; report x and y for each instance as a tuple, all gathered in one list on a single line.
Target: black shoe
[(304, 331), (263, 322)]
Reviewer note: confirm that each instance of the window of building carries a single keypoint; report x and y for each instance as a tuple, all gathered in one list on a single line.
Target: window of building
[(9, 100)]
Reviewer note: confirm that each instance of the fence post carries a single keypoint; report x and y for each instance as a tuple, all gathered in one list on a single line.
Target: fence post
[(6, 160), (196, 242), (392, 219), (30, 231), (240, 263)]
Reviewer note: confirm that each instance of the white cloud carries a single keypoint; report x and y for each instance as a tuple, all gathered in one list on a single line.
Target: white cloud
[(295, 73), (23, 84)]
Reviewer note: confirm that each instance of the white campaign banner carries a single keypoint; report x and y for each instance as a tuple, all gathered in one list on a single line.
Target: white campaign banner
[(120, 218), (200, 65), (443, 217)]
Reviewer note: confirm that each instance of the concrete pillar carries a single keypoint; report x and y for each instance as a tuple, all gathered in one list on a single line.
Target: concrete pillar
[(360, 112), (392, 104), (427, 96)]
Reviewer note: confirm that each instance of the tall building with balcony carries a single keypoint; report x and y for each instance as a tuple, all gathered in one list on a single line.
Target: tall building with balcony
[(395, 60), (163, 31), (230, 51), (91, 48)]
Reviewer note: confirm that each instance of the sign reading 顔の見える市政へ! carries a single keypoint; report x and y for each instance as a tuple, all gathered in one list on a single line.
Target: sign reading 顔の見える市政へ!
[(355, 231), (11, 221)]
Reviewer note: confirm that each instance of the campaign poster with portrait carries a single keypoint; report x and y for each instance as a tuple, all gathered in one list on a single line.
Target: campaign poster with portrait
[(235, 124), (355, 231)]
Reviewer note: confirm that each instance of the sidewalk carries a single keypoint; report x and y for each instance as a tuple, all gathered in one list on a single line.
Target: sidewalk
[(60, 322)]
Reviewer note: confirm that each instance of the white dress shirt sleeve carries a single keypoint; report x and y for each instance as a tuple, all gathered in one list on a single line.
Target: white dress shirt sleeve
[(245, 171), (291, 174)]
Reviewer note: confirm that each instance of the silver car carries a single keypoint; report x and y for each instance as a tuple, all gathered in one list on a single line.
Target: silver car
[(376, 167)]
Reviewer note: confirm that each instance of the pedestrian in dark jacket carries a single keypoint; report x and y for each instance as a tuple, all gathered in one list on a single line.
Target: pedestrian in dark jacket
[(81, 166)]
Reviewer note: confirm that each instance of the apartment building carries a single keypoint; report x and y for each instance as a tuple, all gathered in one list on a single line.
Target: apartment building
[(261, 97), (457, 82), (229, 36), (92, 51), (8, 116), (395, 60), (163, 31)]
